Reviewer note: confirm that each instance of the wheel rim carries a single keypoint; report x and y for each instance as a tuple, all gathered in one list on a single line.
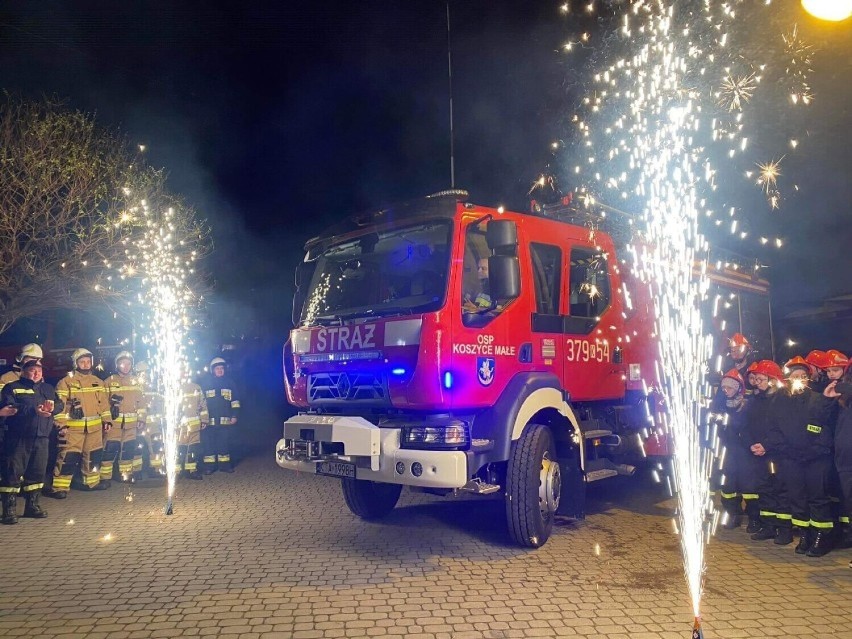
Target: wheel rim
[(549, 486)]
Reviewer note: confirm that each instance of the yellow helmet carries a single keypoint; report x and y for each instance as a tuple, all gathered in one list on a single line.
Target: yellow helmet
[(80, 352), (31, 350), (124, 355)]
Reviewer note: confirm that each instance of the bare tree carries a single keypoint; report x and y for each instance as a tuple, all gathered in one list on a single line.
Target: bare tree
[(76, 209)]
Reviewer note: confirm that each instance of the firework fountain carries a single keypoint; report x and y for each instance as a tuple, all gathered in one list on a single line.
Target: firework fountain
[(164, 248), (669, 89)]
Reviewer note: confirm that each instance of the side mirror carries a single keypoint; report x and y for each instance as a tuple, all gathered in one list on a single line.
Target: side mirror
[(502, 234), (504, 277)]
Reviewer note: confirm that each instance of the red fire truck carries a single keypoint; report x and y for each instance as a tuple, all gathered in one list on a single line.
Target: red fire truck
[(447, 346)]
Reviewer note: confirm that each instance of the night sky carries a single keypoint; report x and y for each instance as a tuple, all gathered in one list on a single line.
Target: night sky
[(275, 119)]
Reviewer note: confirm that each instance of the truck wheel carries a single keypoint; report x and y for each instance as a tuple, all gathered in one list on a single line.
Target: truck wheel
[(370, 499), (533, 486)]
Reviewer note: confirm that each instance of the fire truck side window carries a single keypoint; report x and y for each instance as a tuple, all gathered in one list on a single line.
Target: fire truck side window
[(589, 283), (478, 308), (546, 267)]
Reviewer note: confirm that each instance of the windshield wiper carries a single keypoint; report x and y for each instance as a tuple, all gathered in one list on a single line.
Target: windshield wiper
[(381, 311)]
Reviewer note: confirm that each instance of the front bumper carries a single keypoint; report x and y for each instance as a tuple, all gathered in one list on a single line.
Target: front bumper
[(375, 451)]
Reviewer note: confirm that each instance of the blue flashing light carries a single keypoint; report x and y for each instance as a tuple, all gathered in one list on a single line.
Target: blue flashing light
[(448, 380), (398, 371)]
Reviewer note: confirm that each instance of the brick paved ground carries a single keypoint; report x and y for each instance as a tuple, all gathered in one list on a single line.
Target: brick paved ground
[(268, 553)]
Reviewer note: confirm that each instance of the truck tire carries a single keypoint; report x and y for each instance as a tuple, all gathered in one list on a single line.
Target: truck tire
[(370, 499), (533, 485)]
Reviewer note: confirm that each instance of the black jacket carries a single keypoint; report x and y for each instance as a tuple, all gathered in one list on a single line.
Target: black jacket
[(27, 395), (222, 399), (761, 416), (802, 430), (842, 427), (731, 422)]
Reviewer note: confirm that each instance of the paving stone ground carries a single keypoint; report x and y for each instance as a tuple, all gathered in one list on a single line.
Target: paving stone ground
[(269, 553)]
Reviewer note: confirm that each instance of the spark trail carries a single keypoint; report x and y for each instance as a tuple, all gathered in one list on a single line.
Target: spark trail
[(669, 90)]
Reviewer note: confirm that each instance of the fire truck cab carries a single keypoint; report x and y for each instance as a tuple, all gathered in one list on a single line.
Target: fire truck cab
[(447, 346)]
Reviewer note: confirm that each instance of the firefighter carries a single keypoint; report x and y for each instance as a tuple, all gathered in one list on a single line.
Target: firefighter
[(127, 411), (761, 419), (817, 360), (150, 437), (839, 392), (193, 421), (86, 416), (740, 351), (222, 405), (28, 352), (737, 482), (34, 403), (805, 464)]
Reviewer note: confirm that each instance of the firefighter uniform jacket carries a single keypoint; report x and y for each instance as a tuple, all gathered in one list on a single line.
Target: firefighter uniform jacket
[(27, 395), (222, 401), (801, 430), (131, 408), (9, 376), (193, 408), (89, 390)]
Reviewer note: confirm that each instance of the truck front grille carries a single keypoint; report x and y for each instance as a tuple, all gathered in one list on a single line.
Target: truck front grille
[(349, 387)]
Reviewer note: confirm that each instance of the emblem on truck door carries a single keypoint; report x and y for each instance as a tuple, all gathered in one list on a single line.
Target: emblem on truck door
[(485, 370)]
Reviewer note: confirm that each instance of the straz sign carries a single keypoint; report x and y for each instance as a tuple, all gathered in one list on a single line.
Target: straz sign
[(345, 338), (583, 350)]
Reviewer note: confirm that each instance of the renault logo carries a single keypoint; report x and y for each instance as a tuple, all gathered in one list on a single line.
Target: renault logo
[(343, 385)]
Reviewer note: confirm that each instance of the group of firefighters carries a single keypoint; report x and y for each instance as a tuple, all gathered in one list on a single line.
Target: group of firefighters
[(87, 432), (786, 455)]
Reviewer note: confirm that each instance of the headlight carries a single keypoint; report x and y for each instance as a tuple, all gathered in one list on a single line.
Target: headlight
[(452, 435)]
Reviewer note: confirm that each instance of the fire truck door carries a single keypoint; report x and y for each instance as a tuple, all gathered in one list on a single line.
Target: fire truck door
[(546, 266), (589, 328)]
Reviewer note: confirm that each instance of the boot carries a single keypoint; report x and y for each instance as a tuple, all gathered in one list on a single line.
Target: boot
[(103, 484), (10, 509), (32, 508), (226, 467), (732, 521), (784, 535), (765, 531), (805, 542), (196, 475), (753, 525), (54, 494), (821, 545)]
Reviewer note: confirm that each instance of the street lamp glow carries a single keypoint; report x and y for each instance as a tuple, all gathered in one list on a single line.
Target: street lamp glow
[(834, 10)]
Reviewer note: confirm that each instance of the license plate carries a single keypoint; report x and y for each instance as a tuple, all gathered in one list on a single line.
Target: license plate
[(336, 469)]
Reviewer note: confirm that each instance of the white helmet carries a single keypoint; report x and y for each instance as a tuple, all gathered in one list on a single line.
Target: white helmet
[(31, 350), (124, 355), (80, 352), (216, 361)]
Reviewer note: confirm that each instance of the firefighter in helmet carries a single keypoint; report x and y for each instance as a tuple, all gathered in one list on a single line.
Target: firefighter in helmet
[(740, 350), (86, 416), (762, 417), (193, 420), (817, 361), (150, 437), (28, 353), (737, 485), (838, 394), (34, 404), (127, 411), (222, 405)]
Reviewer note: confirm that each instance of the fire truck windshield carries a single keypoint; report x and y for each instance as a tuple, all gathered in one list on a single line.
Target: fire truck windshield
[(392, 272)]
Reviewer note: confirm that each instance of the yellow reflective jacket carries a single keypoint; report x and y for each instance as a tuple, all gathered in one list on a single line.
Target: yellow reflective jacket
[(90, 391)]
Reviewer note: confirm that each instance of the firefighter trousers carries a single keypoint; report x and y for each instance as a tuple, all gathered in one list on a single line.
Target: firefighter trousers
[(845, 478), (772, 500), (24, 464), (739, 482), (121, 448), (216, 439), (81, 450), (52, 453), (150, 442), (189, 450), (808, 488)]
